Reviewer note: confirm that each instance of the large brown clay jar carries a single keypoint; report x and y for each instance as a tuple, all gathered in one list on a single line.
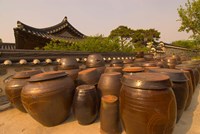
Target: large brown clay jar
[(190, 86), (14, 87), (109, 115), (147, 104), (179, 87), (110, 84), (192, 74), (48, 97), (85, 104), (95, 60)]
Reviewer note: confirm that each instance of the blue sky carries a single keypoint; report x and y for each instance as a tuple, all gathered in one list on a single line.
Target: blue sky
[(92, 17)]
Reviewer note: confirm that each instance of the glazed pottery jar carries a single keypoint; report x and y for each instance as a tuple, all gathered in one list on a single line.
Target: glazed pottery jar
[(147, 104), (14, 86), (171, 62), (109, 115), (95, 60), (88, 76), (85, 104), (110, 84), (190, 86), (116, 63), (48, 97), (113, 69), (68, 63), (180, 87)]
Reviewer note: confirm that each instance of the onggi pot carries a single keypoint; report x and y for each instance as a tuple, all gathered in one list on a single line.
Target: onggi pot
[(85, 104), (48, 97), (147, 104), (14, 87), (180, 87)]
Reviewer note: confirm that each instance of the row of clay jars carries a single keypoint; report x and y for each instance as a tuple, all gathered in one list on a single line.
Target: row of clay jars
[(14, 87), (140, 95), (180, 88)]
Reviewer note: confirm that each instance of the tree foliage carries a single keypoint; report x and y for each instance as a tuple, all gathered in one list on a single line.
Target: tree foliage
[(185, 43), (89, 44), (190, 17)]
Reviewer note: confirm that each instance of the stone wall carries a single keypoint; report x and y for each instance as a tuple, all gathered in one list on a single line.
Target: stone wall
[(168, 50)]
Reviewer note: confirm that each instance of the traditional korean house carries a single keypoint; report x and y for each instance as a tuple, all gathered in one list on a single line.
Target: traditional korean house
[(27, 37)]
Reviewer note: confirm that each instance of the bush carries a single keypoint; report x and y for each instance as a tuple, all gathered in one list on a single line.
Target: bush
[(89, 44)]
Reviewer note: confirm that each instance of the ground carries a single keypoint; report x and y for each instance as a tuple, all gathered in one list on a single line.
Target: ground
[(13, 121)]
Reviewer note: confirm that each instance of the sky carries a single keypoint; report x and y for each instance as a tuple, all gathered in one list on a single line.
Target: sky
[(94, 17)]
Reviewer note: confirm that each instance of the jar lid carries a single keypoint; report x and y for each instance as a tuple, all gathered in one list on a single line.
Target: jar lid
[(149, 64), (174, 74), (133, 69), (109, 98), (26, 74), (47, 76), (147, 81)]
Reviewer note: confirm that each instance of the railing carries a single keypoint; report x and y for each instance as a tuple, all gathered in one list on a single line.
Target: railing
[(7, 46)]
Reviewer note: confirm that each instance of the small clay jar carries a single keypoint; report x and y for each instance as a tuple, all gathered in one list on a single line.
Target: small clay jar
[(109, 115), (48, 97), (171, 62), (113, 69), (85, 104), (132, 70), (148, 57), (95, 60), (88, 76), (14, 87), (109, 84), (68, 63), (116, 63)]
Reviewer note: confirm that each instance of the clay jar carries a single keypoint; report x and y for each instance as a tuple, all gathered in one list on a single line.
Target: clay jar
[(147, 104), (14, 86), (113, 69), (95, 60), (85, 104), (48, 97), (110, 84), (116, 63), (192, 73), (190, 86), (179, 87), (88, 76), (68, 63), (109, 115), (148, 57), (132, 70), (171, 62)]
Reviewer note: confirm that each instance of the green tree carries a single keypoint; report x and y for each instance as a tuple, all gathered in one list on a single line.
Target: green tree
[(185, 43), (190, 19), (142, 37), (89, 44), (123, 33)]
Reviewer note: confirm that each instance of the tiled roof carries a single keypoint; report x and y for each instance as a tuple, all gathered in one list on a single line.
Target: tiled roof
[(53, 31)]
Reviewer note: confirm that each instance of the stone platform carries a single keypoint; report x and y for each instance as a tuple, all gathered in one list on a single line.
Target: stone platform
[(13, 121)]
